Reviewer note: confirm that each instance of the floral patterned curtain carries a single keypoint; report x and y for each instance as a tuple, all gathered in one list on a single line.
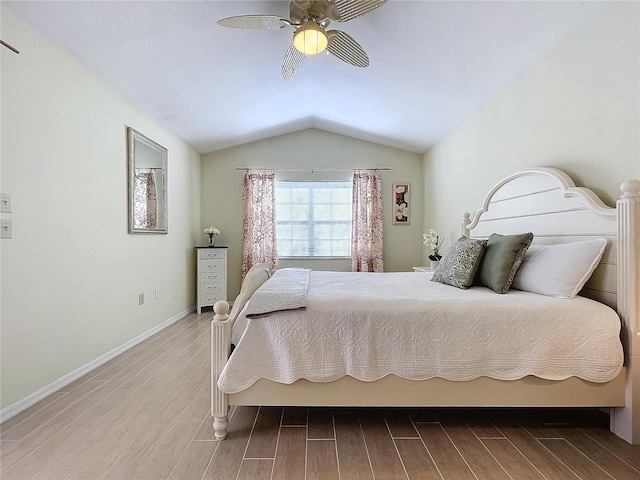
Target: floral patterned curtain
[(366, 227), (259, 220), (145, 202)]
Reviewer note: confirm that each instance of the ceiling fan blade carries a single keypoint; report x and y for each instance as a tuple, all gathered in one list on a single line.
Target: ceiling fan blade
[(255, 22), (291, 62), (343, 46), (350, 9)]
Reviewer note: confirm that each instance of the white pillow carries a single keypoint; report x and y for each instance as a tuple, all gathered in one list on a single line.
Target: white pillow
[(559, 270)]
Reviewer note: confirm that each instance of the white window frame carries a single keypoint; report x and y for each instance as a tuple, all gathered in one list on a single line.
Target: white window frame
[(314, 184)]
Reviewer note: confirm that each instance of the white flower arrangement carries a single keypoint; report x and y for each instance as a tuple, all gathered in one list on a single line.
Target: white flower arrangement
[(212, 231), (434, 242)]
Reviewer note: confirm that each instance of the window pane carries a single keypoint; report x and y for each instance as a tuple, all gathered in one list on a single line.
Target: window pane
[(283, 195), (341, 212), (299, 213), (282, 232), (323, 248), (283, 212), (322, 213), (284, 247), (321, 195), (341, 231), (300, 232), (342, 248), (300, 195), (321, 231), (341, 195), (299, 248)]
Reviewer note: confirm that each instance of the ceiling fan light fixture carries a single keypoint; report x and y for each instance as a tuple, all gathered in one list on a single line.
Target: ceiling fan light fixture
[(310, 38)]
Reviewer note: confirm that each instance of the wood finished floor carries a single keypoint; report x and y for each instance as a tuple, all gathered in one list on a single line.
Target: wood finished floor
[(145, 415)]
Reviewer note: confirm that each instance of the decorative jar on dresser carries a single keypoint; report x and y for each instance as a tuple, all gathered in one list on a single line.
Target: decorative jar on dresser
[(212, 276)]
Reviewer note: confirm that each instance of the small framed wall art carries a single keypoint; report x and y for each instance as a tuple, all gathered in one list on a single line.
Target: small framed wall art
[(401, 203)]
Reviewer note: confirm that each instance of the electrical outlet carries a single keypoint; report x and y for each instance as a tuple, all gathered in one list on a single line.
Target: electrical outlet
[(5, 203), (157, 292), (141, 299), (6, 230)]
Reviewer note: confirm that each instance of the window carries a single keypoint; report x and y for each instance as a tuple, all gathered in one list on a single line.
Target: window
[(313, 219)]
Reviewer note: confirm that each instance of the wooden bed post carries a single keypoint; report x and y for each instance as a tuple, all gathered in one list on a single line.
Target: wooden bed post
[(466, 220), (221, 326), (625, 421), (220, 349)]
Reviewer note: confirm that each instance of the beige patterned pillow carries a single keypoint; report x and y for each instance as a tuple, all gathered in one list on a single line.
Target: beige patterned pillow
[(461, 262)]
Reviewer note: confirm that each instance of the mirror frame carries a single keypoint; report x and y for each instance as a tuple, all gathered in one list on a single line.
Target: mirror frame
[(133, 137)]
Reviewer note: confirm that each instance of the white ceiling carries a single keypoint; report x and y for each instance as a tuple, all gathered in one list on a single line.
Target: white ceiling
[(433, 64)]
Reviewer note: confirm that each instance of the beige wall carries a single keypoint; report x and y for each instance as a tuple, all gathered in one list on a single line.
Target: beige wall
[(71, 275), (578, 110), (221, 190)]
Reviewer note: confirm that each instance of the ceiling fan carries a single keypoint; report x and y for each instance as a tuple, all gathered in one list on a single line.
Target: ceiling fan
[(310, 18)]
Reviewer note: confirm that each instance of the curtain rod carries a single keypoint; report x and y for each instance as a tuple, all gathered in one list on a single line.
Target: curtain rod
[(246, 169), (13, 49)]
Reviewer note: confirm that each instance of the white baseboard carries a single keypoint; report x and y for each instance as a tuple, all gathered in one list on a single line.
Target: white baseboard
[(21, 405)]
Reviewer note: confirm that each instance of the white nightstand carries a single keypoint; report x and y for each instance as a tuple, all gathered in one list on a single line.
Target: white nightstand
[(211, 282), (422, 269)]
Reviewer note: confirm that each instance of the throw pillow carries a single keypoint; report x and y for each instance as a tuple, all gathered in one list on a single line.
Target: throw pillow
[(459, 265), (503, 256)]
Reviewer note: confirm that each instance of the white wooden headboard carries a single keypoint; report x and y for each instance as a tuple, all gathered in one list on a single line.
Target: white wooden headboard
[(545, 201)]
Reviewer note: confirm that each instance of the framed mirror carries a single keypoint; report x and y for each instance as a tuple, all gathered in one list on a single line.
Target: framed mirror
[(147, 184)]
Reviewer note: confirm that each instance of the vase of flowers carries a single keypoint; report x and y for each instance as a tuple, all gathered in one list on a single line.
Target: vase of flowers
[(433, 241), (212, 232)]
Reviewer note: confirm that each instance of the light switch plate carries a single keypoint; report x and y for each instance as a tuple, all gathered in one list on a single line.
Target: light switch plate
[(5, 203), (6, 230)]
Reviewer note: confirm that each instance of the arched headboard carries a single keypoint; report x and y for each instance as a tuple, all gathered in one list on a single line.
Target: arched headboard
[(545, 201)]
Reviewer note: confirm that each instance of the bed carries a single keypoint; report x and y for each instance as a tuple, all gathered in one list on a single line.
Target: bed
[(544, 201)]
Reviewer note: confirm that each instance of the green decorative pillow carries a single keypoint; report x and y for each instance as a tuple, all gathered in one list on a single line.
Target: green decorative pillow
[(502, 258), (459, 265)]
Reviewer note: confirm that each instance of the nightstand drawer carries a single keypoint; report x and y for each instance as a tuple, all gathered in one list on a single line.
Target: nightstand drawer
[(211, 254), (212, 277), (212, 265), (211, 299), (210, 288)]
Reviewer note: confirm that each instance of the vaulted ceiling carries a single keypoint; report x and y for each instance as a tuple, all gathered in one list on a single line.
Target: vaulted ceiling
[(432, 64)]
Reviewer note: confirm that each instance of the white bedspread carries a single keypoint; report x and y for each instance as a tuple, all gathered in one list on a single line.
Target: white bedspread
[(369, 325)]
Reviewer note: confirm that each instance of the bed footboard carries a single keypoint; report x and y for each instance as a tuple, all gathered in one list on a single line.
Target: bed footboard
[(221, 343), (220, 349)]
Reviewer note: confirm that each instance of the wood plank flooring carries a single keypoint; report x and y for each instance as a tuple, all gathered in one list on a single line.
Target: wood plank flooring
[(145, 415)]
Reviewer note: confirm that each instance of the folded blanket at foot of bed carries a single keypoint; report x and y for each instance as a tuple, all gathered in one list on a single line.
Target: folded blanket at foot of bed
[(287, 289)]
